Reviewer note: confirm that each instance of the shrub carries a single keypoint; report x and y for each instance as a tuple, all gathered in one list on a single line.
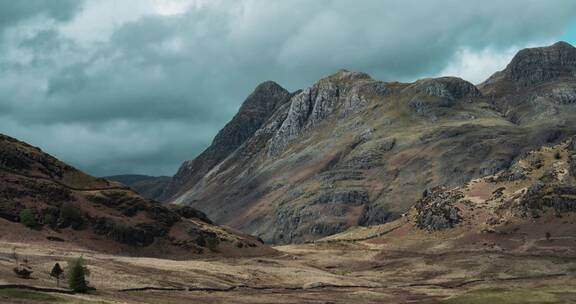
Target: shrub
[(212, 243), (50, 216), (50, 220), (23, 272), (28, 218), (70, 215)]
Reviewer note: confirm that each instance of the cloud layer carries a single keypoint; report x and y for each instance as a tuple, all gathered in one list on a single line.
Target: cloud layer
[(139, 86)]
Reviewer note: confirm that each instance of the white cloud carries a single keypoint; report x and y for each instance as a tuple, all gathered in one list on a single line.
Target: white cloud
[(171, 7), (477, 65)]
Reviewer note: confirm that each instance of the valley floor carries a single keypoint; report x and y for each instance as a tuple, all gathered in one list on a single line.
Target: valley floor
[(334, 272)]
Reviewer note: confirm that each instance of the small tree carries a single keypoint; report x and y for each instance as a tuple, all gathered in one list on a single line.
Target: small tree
[(548, 236), (28, 218), (56, 273), (77, 272), (557, 155)]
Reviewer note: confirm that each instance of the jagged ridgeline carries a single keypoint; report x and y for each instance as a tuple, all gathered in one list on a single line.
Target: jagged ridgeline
[(351, 150), (44, 200)]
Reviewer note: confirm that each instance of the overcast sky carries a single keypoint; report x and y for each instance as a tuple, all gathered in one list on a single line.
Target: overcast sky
[(138, 86)]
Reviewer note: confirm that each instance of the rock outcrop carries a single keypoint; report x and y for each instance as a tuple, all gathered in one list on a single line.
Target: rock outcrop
[(437, 210), (496, 203), (313, 105)]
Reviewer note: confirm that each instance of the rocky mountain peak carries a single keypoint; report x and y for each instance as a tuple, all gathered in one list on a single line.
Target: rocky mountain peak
[(253, 113), (255, 110), (535, 65), (265, 95)]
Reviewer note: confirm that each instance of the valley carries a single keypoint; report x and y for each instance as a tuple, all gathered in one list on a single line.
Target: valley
[(482, 242), (316, 273)]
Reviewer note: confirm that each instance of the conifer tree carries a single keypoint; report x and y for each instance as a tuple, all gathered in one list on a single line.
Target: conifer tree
[(57, 273), (77, 272)]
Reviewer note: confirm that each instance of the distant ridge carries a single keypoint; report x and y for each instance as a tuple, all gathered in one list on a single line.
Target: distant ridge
[(150, 187)]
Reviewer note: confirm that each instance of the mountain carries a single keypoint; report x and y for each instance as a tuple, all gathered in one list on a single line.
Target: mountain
[(253, 113), (150, 187), (43, 200), (351, 150), (528, 209)]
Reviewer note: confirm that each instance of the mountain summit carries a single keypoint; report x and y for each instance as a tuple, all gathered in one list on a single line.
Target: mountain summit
[(536, 66), (255, 111)]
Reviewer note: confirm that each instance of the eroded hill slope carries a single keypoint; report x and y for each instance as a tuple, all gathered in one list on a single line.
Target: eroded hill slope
[(43, 200)]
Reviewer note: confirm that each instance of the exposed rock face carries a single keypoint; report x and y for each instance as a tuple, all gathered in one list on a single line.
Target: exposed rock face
[(306, 109), (563, 94), (351, 150), (436, 210), (536, 65), (559, 197), (311, 106), (352, 197)]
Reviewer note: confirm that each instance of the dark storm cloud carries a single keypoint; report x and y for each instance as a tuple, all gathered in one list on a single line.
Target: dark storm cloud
[(13, 12), (157, 88)]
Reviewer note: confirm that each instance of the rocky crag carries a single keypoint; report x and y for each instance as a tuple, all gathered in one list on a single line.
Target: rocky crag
[(351, 150)]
